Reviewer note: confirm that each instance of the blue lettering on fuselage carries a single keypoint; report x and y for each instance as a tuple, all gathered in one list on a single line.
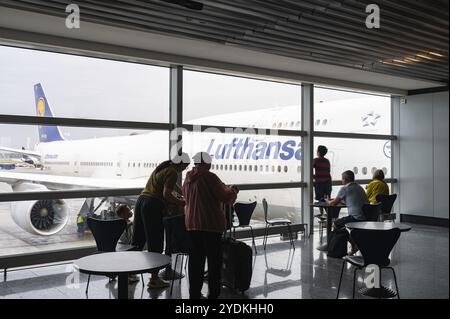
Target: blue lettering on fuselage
[(244, 148)]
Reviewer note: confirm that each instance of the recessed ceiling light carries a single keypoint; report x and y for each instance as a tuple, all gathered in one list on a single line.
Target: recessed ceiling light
[(435, 54)]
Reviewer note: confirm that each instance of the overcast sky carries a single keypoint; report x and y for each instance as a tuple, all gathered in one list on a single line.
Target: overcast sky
[(84, 87)]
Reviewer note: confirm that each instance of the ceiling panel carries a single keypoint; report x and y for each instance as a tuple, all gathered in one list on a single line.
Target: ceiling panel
[(411, 42)]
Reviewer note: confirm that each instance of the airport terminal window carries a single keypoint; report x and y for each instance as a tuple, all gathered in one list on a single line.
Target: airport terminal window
[(351, 154), (248, 102), (82, 87), (351, 112), (81, 154), (251, 153), (283, 203)]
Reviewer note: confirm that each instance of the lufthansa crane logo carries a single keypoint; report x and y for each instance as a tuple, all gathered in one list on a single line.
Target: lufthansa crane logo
[(41, 107), (387, 149)]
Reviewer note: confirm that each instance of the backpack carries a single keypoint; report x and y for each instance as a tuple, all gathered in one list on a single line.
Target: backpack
[(337, 243)]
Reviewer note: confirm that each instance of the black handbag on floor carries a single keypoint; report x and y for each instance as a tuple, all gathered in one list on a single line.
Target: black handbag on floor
[(337, 243)]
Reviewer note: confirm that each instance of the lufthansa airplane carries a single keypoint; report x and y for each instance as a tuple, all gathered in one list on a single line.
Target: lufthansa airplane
[(127, 161)]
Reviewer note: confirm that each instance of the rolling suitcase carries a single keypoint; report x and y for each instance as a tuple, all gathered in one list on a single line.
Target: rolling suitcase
[(237, 261)]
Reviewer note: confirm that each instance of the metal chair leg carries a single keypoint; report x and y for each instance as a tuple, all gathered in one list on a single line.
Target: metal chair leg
[(142, 279), (354, 282), (395, 281), (182, 262), (173, 274), (253, 238), (265, 236), (320, 231), (290, 236), (87, 286), (340, 279)]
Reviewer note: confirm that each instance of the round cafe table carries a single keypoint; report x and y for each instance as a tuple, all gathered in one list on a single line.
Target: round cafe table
[(121, 264), (378, 226), (381, 292)]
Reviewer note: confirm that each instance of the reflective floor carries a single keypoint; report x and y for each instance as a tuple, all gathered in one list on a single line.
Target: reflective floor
[(420, 259)]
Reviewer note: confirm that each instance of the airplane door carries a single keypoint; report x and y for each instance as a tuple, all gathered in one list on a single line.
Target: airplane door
[(76, 165), (119, 165)]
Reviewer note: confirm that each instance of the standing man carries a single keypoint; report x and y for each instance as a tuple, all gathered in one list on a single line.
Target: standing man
[(205, 221)]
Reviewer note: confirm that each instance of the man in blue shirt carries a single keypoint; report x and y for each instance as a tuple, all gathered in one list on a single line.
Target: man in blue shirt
[(354, 197)]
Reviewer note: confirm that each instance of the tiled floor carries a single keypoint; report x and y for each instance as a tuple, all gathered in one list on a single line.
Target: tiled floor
[(420, 258)]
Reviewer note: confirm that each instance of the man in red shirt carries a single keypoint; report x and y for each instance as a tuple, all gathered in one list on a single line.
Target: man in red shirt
[(205, 221)]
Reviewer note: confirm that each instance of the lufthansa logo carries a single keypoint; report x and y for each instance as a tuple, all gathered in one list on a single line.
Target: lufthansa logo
[(387, 149), (41, 107)]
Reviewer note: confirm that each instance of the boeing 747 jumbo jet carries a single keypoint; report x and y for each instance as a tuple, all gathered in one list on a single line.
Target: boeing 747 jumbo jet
[(122, 162)]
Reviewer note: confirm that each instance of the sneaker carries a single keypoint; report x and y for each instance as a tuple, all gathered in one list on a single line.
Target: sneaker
[(157, 284), (133, 279)]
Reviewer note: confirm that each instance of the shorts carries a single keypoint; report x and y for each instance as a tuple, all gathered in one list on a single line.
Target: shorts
[(321, 190)]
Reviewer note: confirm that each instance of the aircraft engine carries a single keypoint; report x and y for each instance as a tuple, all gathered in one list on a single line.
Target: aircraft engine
[(41, 217)]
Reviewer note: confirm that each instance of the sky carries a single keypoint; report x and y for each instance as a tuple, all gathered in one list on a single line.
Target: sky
[(82, 87)]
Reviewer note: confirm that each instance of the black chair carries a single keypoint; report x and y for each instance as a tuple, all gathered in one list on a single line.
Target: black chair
[(244, 212), (275, 222), (371, 212), (387, 202), (106, 234), (375, 247)]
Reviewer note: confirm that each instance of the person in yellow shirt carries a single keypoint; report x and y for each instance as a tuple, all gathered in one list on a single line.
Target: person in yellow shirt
[(377, 186)]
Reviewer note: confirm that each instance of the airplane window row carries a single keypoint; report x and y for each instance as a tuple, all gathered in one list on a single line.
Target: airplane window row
[(318, 121), (250, 168), (144, 165), (364, 170), (102, 164), (286, 124)]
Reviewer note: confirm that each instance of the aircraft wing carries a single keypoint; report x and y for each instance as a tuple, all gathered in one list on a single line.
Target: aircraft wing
[(18, 151), (70, 182)]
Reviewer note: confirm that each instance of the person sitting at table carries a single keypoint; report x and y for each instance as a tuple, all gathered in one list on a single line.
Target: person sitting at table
[(354, 197), (205, 222), (377, 186), (124, 212)]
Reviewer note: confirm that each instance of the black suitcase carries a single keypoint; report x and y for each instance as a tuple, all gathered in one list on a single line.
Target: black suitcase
[(237, 263)]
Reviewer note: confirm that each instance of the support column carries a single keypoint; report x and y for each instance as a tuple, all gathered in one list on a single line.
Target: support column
[(395, 152), (176, 111), (307, 154)]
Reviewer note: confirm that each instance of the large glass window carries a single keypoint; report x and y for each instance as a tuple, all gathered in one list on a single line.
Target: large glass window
[(46, 225), (72, 157), (43, 83), (214, 99), (351, 112), (282, 203), (361, 156)]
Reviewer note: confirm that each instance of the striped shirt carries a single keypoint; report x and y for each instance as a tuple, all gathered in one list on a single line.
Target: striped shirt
[(321, 167)]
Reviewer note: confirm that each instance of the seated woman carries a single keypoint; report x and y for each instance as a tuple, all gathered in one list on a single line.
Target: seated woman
[(377, 186)]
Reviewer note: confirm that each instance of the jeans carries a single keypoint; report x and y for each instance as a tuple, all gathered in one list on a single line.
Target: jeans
[(205, 245), (148, 224), (340, 222)]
